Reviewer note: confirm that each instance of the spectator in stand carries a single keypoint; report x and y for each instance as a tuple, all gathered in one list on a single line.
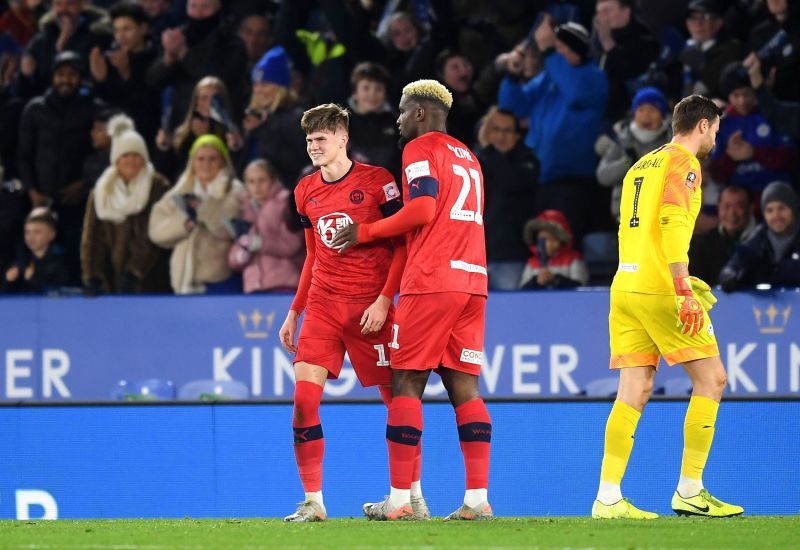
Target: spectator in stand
[(565, 104), (784, 16), (42, 266), (709, 252), (647, 128), (524, 59), (70, 25), (750, 152), (708, 49), (456, 72), (270, 254), (120, 74), (554, 263), (411, 54), (54, 140), (97, 160), (199, 120), (784, 116), (204, 46), (21, 19), (161, 17), (510, 172), (117, 256), (255, 31), (190, 218), (626, 49), (772, 254), (373, 123), (273, 119)]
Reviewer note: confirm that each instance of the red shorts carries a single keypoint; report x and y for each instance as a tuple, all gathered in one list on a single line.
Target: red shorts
[(330, 329), (443, 328)]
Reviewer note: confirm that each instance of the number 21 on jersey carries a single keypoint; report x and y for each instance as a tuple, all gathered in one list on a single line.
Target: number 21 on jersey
[(470, 179)]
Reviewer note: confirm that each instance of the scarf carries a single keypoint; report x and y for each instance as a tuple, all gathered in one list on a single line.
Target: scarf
[(114, 200), (645, 136)]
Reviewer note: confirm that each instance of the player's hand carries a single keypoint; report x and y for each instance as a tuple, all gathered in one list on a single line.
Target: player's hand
[(703, 293), (345, 238), (288, 329), (375, 315), (690, 311)]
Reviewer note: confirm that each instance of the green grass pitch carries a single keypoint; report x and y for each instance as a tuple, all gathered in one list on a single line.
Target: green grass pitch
[(562, 532)]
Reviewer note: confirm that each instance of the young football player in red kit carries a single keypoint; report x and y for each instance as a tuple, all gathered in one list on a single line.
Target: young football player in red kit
[(439, 323), (347, 299)]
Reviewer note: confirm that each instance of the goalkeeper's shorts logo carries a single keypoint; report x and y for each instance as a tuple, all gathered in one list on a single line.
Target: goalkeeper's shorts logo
[(471, 356)]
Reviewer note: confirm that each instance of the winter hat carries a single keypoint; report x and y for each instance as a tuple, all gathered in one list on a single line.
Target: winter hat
[(273, 67), (733, 77), (125, 139), (711, 7), (575, 36), (70, 59), (209, 140), (552, 220), (781, 192), (651, 96)]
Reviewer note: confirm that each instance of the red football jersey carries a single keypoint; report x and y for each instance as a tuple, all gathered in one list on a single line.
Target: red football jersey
[(365, 194), (449, 253)]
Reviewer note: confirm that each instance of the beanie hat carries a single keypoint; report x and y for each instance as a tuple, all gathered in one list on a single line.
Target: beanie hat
[(733, 77), (273, 67), (575, 36), (781, 192), (651, 96), (209, 140), (70, 59), (125, 139)]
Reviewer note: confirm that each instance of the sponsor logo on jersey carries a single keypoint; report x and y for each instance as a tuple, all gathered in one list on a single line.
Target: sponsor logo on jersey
[(329, 224), (471, 356), (357, 196), (417, 170), (391, 191)]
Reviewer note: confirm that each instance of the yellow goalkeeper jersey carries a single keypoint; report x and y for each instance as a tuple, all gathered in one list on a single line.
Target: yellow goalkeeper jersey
[(661, 198)]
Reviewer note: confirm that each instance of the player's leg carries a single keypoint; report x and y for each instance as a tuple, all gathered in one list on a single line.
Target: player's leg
[(635, 355), (475, 436), (309, 444), (708, 382)]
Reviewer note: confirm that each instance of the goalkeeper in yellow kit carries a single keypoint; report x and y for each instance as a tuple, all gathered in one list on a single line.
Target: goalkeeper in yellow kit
[(658, 310)]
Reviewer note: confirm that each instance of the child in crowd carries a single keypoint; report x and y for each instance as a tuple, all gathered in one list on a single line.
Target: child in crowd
[(268, 252), (553, 262), (42, 265)]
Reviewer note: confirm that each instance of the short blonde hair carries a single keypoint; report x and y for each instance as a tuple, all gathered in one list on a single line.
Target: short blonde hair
[(327, 117), (431, 90)]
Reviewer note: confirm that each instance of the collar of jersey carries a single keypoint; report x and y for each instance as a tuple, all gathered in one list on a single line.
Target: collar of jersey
[(352, 165)]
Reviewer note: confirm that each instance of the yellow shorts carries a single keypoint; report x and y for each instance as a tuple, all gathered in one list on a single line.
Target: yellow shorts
[(642, 329)]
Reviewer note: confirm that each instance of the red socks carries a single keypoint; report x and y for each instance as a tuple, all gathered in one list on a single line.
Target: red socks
[(475, 434), (416, 473), (309, 445), (403, 433)]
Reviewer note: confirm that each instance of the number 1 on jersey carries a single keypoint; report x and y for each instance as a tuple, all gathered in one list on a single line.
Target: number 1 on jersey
[(458, 212), (635, 218)]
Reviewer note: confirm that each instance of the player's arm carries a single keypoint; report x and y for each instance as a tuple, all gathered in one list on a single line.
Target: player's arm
[(676, 234), (375, 315), (289, 327)]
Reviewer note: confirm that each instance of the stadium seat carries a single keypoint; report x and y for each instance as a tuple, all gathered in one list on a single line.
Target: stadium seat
[(678, 386), (213, 390), (151, 389), (604, 387), (601, 256)]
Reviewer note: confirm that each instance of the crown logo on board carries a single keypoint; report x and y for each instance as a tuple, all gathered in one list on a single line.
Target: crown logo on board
[(772, 320), (256, 324)]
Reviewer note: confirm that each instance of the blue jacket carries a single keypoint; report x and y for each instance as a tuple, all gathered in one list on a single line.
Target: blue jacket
[(565, 105)]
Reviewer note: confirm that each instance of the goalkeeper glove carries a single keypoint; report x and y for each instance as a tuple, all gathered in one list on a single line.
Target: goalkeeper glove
[(703, 293), (690, 312)]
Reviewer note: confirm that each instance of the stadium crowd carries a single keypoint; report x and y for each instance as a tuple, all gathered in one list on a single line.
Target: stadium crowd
[(152, 146)]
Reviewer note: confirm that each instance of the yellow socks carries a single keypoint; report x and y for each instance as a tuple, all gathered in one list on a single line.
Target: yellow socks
[(698, 433), (620, 428)]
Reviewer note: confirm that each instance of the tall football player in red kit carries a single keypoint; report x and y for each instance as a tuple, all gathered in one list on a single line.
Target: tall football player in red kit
[(347, 299), (440, 316)]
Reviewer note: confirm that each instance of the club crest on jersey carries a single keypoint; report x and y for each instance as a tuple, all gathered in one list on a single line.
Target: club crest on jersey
[(357, 196), (691, 177), (329, 224)]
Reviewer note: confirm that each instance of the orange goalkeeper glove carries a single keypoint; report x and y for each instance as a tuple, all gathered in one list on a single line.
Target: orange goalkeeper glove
[(690, 312)]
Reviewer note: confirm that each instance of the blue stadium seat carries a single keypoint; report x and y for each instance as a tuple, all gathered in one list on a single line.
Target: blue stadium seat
[(151, 389), (601, 256), (678, 386), (604, 387), (213, 390)]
